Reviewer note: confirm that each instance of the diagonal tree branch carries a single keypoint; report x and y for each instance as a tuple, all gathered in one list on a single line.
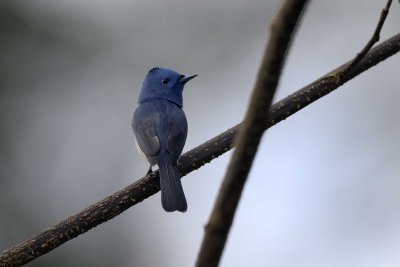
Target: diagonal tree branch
[(125, 198), (249, 136)]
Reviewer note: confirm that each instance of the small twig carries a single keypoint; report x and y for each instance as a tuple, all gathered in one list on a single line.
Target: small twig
[(372, 41), (145, 187)]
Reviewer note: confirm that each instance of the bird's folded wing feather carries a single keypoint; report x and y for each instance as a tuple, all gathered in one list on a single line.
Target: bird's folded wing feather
[(145, 129), (177, 135)]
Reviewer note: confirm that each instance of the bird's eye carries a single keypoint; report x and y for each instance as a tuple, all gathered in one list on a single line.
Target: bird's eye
[(165, 81)]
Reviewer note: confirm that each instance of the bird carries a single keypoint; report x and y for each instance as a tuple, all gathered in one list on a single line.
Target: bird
[(160, 127)]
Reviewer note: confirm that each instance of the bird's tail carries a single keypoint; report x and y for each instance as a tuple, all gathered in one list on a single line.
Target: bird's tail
[(172, 195)]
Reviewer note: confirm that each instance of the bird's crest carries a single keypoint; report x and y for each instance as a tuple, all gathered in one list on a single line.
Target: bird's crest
[(154, 69)]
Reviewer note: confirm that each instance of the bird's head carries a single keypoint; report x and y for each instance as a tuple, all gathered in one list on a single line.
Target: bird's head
[(161, 83)]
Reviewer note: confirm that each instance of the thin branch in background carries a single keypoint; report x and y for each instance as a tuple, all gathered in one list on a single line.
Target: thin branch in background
[(216, 233), (114, 204)]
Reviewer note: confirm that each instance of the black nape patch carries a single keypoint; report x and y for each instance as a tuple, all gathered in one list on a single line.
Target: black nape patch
[(154, 69)]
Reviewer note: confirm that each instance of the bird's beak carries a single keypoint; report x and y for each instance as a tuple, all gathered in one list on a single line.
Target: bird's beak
[(185, 79)]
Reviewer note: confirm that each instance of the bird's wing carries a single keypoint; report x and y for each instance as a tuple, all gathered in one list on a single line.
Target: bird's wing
[(178, 131), (144, 126)]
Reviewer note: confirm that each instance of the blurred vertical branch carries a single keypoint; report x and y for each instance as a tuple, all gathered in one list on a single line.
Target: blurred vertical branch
[(120, 201), (282, 27), (251, 130)]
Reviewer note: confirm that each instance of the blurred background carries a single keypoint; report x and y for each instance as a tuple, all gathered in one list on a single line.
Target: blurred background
[(325, 187)]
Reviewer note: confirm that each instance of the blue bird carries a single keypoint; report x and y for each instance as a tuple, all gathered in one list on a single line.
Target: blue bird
[(160, 127)]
